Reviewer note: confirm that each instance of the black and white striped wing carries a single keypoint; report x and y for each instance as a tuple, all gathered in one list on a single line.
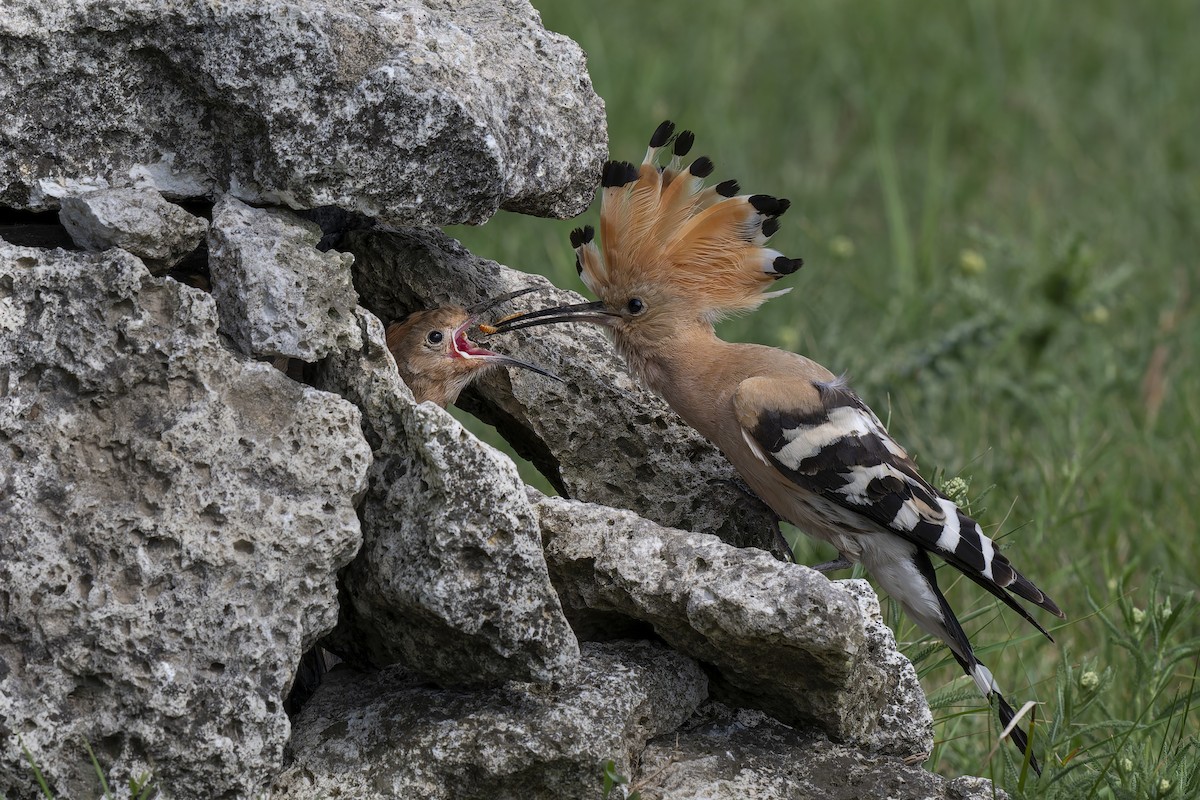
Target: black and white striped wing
[(824, 439)]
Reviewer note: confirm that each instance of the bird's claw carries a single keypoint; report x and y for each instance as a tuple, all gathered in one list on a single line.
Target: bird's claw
[(841, 562)]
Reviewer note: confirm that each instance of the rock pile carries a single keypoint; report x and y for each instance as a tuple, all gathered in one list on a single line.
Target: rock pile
[(209, 465)]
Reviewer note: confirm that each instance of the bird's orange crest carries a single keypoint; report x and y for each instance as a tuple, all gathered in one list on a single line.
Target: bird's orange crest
[(661, 226)]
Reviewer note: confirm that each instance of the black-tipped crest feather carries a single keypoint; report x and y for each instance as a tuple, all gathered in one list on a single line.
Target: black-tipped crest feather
[(581, 236), (727, 188), (702, 167), (786, 266), (617, 173), (662, 134), (771, 206), (684, 142)]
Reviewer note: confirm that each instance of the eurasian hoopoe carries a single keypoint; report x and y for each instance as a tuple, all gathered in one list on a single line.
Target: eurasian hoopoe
[(436, 358), (678, 256)]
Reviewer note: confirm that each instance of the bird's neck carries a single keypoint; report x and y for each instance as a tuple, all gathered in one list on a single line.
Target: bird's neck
[(684, 369), (442, 388)]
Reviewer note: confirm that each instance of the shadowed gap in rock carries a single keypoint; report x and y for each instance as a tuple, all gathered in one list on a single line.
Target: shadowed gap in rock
[(43, 229), (523, 444), (193, 269), (34, 229)]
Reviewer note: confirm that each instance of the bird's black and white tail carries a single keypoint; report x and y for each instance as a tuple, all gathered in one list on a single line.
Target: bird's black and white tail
[(950, 630), (836, 448)]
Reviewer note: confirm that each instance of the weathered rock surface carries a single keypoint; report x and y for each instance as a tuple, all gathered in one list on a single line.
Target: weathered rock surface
[(423, 113), (725, 754), (171, 520), (905, 721), (600, 437), (783, 637), (451, 580), (173, 514), (385, 736), (277, 295), (137, 220)]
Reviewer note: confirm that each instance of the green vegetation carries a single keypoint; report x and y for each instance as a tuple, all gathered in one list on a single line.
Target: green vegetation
[(614, 779), (998, 205), (140, 788)]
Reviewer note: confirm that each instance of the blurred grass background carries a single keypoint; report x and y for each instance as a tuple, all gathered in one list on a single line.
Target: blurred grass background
[(997, 204)]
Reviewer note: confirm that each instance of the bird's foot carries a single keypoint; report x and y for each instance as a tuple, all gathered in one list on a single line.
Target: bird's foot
[(736, 483), (782, 546), (841, 562)]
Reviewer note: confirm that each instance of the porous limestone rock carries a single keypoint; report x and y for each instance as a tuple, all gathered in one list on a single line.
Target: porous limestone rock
[(451, 581), (172, 517), (277, 295), (782, 637), (600, 437), (421, 112), (137, 220), (727, 754), (384, 735), (905, 721)]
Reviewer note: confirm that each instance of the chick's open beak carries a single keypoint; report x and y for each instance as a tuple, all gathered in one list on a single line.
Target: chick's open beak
[(463, 347)]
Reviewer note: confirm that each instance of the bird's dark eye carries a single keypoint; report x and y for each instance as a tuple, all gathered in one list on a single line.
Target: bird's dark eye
[(434, 337), (635, 305)]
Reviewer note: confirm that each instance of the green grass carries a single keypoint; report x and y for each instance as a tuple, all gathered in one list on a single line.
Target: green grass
[(141, 787), (997, 203)]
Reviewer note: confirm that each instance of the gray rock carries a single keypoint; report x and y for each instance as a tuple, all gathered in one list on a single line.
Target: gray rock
[(601, 437), (277, 295), (426, 113), (385, 736), (905, 721), (137, 220), (451, 580), (783, 637), (725, 754), (171, 520)]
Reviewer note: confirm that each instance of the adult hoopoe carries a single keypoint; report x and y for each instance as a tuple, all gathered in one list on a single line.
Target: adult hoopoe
[(675, 257), (436, 358)]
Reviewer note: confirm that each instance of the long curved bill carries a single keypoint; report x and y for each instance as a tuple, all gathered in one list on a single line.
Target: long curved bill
[(487, 305), (465, 348), (594, 312)]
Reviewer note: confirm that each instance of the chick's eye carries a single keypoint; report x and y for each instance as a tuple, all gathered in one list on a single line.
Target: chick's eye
[(635, 305), (434, 337)]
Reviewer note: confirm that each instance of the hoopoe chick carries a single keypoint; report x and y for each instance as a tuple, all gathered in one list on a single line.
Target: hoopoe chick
[(675, 257), (435, 356)]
